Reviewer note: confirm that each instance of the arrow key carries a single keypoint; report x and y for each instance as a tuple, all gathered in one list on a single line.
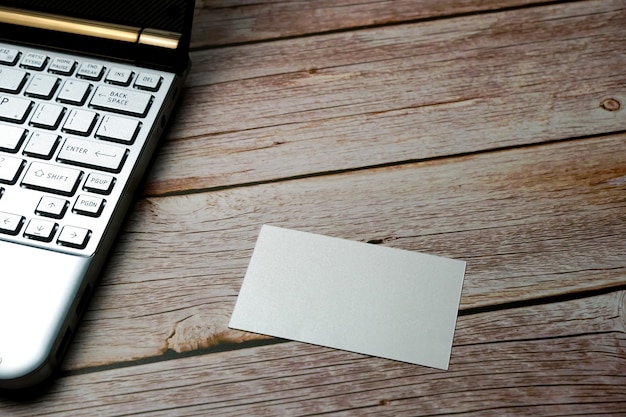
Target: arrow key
[(42, 230), (74, 237), (10, 224), (52, 207)]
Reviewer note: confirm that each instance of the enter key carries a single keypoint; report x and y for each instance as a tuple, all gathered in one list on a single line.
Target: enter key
[(92, 154)]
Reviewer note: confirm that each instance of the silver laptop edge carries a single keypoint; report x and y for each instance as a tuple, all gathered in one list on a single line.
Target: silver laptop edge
[(44, 288)]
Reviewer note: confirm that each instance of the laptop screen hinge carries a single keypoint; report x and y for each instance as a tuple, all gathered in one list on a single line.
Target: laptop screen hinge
[(106, 31)]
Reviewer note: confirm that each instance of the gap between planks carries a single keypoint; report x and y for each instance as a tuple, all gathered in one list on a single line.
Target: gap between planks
[(205, 27), (532, 223), (492, 359), (450, 157), (463, 336), (274, 109)]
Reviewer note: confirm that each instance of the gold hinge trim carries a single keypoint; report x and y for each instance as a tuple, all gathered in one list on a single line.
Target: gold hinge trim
[(159, 38), (91, 28)]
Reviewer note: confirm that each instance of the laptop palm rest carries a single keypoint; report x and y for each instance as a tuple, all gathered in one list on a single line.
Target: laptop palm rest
[(37, 289)]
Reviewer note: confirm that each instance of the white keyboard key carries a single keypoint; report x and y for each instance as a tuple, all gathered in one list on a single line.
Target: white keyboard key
[(11, 80), (89, 205), (99, 183), (34, 61), (80, 122), (42, 230), (119, 100), (42, 86), (63, 66), (52, 178), (74, 92), (10, 169), (14, 109), (11, 138), (118, 129), (119, 76), (47, 116), (41, 145), (51, 207), (147, 81), (10, 223), (75, 237), (9, 56), (90, 71), (92, 154)]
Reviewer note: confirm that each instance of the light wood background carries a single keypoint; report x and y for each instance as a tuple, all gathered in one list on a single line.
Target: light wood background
[(488, 131)]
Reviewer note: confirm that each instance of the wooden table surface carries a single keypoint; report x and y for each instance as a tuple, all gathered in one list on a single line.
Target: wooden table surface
[(488, 131)]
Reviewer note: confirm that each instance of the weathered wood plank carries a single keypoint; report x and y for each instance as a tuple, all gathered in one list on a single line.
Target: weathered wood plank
[(565, 358), (532, 222), (219, 22), (409, 92)]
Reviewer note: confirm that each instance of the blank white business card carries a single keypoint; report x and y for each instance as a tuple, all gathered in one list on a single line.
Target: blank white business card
[(354, 296)]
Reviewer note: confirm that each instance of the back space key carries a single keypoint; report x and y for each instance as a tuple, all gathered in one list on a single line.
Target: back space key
[(121, 100)]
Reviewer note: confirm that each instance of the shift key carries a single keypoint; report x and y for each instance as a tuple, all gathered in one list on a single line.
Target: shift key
[(120, 100), (91, 154), (52, 178)]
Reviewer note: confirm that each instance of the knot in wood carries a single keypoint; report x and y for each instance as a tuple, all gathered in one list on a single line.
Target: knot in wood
[(610, 104)]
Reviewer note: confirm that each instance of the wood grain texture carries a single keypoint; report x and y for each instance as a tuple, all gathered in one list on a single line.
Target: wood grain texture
[(219, 22), (531, 222), (488, 131), (566, 358), (326, 103)]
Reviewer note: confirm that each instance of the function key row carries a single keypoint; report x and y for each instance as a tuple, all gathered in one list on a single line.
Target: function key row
[(44, 86), (9, 56), (86, 70)]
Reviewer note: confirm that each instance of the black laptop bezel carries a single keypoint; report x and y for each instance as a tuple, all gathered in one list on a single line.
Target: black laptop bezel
[(168, 15)]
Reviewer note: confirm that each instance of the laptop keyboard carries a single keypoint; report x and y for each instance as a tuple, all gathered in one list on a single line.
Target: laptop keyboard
[(71, 130)]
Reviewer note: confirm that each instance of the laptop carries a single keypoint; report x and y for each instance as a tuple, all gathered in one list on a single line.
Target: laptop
[(86, 89)]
